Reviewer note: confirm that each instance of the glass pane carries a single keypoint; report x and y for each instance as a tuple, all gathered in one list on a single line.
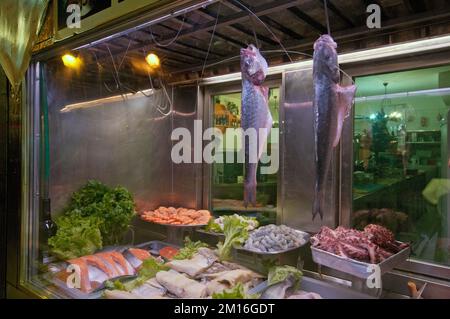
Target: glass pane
[(104, 158), (401, 162), (227, 178)]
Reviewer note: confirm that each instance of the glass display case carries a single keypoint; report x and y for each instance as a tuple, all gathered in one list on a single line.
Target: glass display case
[(107, 140), (400, 177)]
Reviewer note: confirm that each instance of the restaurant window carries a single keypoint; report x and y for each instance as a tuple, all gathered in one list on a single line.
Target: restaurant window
[(401, 161), (227, 178)]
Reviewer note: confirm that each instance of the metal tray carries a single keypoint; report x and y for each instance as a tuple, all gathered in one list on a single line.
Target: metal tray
[(155, 246), (259, 261), (209, 237), (324, 289), (305, 235), (210, 233), (176, 226), (357, 268)]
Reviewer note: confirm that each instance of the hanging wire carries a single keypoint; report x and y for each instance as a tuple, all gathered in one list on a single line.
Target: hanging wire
[(125, 54), (211, 40), (171, 41), (265, 26), (275, 51), (327, 19), (254, 33)]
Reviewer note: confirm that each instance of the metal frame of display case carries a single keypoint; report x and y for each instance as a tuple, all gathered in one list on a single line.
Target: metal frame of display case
[(23, 147), (418, 61)]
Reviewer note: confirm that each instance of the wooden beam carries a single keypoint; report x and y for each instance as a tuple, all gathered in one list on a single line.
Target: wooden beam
[(232, 41), (239, 27), (163, 49), (306, 18), (386, 27), (186, 45), (269, 21), (394, 25), (415, 6), (338, 12), (278, 26), (236, 27), (261, 10)]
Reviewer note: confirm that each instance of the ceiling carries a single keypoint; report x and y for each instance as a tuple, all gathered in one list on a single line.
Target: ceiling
[(206, 41)]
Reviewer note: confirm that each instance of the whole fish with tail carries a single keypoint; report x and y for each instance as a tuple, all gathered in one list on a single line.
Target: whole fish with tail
[(332, 104), (255, 114)]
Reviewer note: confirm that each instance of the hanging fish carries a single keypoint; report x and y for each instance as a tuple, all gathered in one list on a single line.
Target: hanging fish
[(332, 104), (255, 114)]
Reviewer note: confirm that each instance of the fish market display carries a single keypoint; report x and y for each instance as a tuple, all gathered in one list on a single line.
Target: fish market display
[(217, 225), (150, 289), (237, 292), (168, 252), (145, 275), (255, 114), (229, 278), (204, 258), (97, 215), (281, 280), (332, 104), (136, 256), (96, 269), (177, 216), (180, 285), (235, 232), (273, 238), (190, 248), (373, 245), (200, 276), (278, 290)]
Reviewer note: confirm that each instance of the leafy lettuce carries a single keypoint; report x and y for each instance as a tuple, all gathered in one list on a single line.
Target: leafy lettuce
[(189, 249), (114, 206), (235, 231), (217, 225), (97, 215), (281, 273), (148, 270), (213, 227), (76, 236), (237, 292)]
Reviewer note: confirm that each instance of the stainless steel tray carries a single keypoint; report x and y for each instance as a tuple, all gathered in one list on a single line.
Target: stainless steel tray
[(210, 233), (176, 226), (357, 268), (325, 289), (210, 238), (305, 235), (155, 246), (259, 261)]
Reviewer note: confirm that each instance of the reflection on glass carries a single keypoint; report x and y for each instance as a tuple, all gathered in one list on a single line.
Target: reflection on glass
[(401, 163), (227, 178)]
